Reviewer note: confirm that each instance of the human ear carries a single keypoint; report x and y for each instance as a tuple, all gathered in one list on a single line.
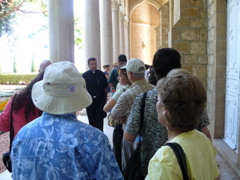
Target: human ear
[(165, 112)]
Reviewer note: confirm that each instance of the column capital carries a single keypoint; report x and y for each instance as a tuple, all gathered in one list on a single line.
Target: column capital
[(126, 20), (121, 16), (115, 5)]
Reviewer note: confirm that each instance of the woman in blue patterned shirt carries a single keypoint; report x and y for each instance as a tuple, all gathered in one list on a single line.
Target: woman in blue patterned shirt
[(57, 145)]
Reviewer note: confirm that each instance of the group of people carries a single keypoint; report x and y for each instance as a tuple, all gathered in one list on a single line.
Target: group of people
[(58, 146)]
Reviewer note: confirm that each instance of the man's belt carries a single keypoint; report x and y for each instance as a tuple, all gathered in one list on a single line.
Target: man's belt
[(94, 97)]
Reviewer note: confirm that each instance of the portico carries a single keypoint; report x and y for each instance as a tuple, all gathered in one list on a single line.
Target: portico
[(205, 32)]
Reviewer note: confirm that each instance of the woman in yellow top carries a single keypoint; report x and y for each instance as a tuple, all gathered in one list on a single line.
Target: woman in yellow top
[(181, 101)]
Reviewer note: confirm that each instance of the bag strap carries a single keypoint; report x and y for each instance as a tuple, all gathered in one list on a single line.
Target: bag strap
[(179, 153), (142, 111), (11, 134)]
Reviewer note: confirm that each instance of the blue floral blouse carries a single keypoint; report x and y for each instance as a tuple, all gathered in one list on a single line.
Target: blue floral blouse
[(59, 147)]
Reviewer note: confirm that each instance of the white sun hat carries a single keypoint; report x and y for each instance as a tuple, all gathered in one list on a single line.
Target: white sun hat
[(135, 66), (62, 90)]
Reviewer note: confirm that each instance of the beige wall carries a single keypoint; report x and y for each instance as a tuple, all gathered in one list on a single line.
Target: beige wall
[(163, 29), (144, 20), (216, 65), (189, 35), (197, 29)]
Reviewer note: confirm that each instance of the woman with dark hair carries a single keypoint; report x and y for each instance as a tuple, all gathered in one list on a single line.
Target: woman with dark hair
[(153, 133), (181, 102), (118, 132), (21, 107), (151, 77)]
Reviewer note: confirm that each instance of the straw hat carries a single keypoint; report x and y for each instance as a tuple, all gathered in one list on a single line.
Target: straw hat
[(62, 90)]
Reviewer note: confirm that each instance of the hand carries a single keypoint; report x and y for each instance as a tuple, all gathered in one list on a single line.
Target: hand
[(122, 120)]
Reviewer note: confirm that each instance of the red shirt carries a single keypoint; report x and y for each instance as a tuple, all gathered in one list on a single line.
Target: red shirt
[(19, 119)]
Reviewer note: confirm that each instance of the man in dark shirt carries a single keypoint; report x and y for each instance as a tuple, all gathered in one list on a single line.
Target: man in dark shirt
[(96, 83), (113, 78)]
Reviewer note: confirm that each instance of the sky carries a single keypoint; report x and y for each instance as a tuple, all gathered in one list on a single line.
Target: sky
[(32, 43)]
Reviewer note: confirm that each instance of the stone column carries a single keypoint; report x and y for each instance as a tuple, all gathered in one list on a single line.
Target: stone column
[(106, 32), (115, 28), (61, 30), (121, 33), (164, 26), (92, 31), (126, 36)]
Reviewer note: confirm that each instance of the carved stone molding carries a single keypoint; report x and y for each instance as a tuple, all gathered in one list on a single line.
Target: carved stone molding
[(121, 16), (115, 5)]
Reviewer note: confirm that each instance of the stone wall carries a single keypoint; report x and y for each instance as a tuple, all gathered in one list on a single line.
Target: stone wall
[(189, 35), (164, 26), (216, 66), (199, 34)]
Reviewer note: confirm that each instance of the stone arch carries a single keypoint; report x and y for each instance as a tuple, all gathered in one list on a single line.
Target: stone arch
[(143, 34), (154, 3), (134, 5)]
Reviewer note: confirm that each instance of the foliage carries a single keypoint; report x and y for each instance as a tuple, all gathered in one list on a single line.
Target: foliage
[(10, 9), (16, 78), (34, 65), (14, 64), (78, 33), (7, 16)]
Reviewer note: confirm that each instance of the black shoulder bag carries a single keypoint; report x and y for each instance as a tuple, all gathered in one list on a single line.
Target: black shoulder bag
[(6, 156), (179, 153), (133, 169)]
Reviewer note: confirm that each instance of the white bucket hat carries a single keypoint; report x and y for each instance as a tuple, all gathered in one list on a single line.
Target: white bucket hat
[(135, 66), (62, 90)]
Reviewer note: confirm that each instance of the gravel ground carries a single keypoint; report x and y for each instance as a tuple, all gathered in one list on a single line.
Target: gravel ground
[(4, 147)]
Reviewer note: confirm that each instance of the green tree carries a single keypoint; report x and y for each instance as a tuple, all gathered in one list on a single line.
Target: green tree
[(7, 15), (78, 34), (14, 64), (34, 65), (0, 67), (10, 10)]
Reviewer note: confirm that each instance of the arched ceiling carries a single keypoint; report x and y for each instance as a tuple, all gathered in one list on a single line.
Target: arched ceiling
[(134, 3)]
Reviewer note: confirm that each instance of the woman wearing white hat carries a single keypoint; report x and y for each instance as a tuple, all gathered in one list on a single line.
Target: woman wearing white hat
[(57, 145)]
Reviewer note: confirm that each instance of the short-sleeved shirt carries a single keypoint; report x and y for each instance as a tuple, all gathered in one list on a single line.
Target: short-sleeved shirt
[(125, 101), (154, 134), (200, 156), (119, 92), (61, 147), (113, 77)]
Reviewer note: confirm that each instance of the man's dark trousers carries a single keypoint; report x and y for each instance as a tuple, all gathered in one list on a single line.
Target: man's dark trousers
[(95, 113)]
